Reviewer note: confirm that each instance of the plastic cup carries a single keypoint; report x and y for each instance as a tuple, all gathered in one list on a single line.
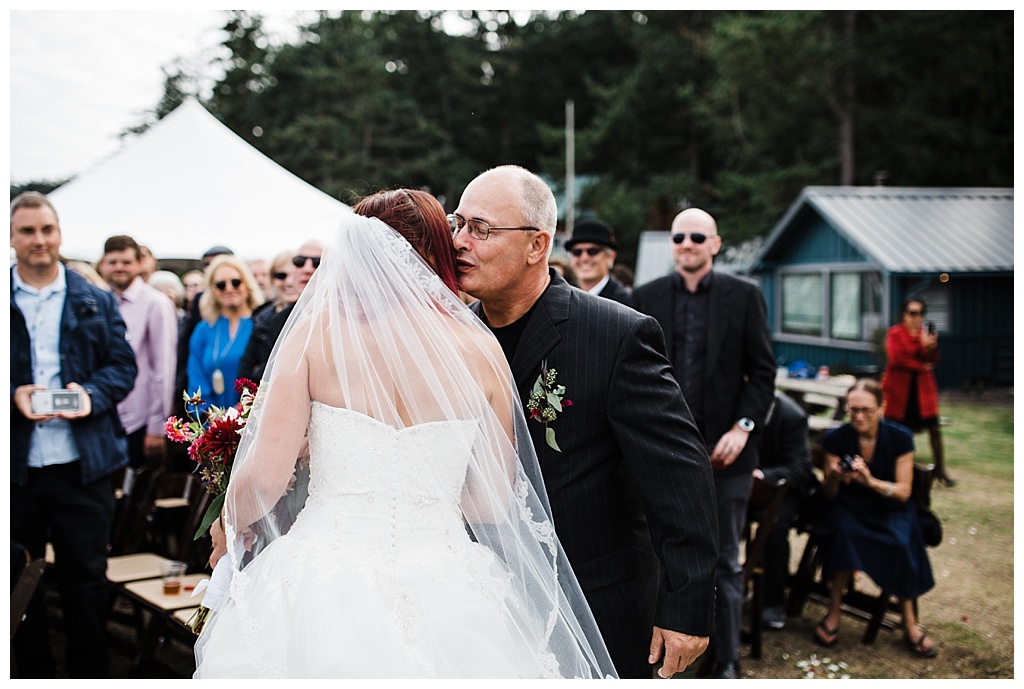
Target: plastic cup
[(172, 574)]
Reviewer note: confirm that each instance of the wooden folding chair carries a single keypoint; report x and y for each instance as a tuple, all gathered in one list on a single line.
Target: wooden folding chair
[(766, 500), (127, 533), (165, 523), (161, 520), (25, 575)]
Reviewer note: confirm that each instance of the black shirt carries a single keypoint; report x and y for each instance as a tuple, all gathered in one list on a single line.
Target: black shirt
[(508, 336), (690, 336)]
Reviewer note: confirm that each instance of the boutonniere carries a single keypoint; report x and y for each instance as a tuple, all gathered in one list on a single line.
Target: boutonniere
[(546, 402)]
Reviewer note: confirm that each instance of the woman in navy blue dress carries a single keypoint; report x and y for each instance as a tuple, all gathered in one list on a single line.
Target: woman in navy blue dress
[(869, 522)]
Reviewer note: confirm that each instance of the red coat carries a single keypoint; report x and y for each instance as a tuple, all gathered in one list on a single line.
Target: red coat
[(906, 357)]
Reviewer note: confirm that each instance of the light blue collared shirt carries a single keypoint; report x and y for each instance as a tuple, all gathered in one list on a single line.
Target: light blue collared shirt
[(52, 441)]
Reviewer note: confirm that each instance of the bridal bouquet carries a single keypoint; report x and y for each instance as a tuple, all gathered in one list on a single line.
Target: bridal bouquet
[(212, 445)]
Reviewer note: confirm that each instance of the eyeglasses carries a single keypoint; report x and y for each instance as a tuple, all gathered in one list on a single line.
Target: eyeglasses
[(222, 285), (864, 411), (279, 276), (590, 251), (695, 237), (300, 261), (478, 229), (915, 313)]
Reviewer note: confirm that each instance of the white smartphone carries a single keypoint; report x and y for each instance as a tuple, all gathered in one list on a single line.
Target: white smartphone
[(56, 401)]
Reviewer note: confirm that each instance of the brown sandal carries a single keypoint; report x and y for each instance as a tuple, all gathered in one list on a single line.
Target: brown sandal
[(823, 636), (918, 648)]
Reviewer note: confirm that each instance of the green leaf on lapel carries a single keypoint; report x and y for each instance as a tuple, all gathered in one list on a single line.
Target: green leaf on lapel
[(549, 435)]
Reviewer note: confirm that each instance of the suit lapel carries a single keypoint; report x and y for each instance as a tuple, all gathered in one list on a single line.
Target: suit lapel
[(718, 321), (664, 312), (541, 334)]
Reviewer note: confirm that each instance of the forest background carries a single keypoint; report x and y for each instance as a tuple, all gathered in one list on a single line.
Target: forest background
[(731, 111)]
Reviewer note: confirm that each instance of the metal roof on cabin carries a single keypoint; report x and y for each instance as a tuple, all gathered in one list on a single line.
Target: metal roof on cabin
[(918, 229)]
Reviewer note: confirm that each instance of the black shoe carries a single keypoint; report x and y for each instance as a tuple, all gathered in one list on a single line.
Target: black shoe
[(726, 671)]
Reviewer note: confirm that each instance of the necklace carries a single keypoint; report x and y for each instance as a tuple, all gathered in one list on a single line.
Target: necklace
[(218, 375)]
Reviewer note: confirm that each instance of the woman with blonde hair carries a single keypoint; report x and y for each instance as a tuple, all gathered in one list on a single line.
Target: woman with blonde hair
[(219, 340)]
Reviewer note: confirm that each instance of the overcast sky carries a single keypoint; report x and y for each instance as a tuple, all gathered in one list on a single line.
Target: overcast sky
[(78, 78)]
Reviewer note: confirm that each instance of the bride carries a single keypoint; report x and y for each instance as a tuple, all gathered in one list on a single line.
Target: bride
[(422, 549)]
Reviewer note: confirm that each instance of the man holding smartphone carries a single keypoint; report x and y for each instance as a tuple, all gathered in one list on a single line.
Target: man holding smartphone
[(66, 335)]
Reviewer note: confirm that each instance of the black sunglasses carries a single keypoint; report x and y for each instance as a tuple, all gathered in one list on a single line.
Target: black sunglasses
[(279, 276), (695, 237), (222, 285), (300, 261), (590, 251)]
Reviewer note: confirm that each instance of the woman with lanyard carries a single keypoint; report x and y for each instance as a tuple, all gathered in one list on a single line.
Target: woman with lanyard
[(219, 340)]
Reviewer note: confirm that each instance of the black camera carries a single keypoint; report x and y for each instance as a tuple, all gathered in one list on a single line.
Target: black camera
[(930, 325), (846, 463)]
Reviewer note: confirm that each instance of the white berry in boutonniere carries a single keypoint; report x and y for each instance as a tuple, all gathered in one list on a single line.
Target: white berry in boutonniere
[(546, 401)]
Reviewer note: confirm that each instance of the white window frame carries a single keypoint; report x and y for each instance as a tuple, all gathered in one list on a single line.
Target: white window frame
[(826, 271)]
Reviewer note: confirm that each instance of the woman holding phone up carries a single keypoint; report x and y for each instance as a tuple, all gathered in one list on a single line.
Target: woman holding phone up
[(911, 394)]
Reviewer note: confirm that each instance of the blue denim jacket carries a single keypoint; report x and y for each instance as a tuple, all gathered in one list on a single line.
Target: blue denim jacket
[(94, 353)]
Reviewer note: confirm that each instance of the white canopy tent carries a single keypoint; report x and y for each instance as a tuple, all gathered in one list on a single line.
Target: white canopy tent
[(187, 184)]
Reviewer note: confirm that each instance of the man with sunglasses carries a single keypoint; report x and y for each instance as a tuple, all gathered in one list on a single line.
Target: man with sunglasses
[(593, 249), (626, 472), (266, 330), (718, 340)]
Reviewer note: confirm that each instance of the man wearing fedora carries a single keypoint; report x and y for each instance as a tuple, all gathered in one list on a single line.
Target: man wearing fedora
[(593, 248)]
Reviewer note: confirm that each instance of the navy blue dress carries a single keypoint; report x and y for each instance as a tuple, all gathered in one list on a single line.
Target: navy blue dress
[(862, 530)]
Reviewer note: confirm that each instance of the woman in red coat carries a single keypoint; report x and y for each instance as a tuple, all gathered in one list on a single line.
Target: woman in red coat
[(911, 395)]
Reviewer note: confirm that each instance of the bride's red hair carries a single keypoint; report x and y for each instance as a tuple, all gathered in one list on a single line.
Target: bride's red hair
[(420, 218)]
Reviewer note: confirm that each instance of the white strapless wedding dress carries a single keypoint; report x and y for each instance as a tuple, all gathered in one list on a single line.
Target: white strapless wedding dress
[(378, 577)]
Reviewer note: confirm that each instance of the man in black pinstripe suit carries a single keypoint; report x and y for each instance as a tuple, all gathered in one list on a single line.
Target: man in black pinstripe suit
[(624, 467)]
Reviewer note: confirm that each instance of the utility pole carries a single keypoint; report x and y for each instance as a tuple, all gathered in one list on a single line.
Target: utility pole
[(570, 167)]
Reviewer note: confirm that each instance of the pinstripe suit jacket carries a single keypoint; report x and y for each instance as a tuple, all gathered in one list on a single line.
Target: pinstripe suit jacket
[(630, 454)]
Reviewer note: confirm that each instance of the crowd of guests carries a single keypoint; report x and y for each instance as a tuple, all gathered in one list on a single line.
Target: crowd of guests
[(143, 335)]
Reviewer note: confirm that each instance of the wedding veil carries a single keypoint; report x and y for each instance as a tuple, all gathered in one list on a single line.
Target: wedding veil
[(377, 332)]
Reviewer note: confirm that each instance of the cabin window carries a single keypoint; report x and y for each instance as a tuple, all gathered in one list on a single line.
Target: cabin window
[(856, 305), (803, 310)]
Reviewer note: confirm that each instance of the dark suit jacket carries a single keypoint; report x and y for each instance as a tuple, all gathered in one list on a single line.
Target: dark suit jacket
[(630, 449), (266, 328), (94, 353), (739, 379), (785, 452), (616, 291)]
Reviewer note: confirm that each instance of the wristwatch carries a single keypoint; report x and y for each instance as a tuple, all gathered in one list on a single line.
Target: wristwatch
[(746, 424)]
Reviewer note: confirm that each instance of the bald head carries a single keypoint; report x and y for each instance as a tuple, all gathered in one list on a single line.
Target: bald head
[(695, 220), (695, 242), (528, 192), (305, 258), (507, 269)]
